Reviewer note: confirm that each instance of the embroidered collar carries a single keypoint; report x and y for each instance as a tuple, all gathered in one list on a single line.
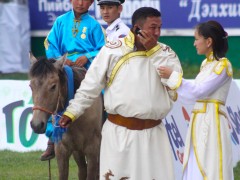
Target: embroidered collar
[(83, 16), (210, 57)]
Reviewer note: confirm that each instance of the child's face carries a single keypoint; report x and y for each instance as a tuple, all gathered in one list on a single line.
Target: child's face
[(110, 13), (80, 6)]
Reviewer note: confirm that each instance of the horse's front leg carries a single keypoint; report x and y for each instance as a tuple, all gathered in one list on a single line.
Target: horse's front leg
[(62, 156)]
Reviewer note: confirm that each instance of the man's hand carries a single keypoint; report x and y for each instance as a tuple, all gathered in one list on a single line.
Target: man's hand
[(147, 40), (164, 72), (81, 61), (65, 121)]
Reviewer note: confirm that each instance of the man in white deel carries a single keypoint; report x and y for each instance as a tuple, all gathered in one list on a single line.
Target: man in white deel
[(110, 11), (135, 143)]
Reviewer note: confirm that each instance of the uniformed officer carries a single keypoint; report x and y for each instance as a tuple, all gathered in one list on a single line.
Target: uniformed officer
[(110, 11)]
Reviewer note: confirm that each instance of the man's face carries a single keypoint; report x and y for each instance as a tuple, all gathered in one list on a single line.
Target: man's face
[(153, 26), (110, 13), (81, 6)]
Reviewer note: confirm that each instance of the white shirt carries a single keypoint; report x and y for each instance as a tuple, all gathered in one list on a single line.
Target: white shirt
[(117, 30)]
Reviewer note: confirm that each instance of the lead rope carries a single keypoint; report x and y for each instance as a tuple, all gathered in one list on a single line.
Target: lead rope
[(49, 169), (55, 112), (49, 161)]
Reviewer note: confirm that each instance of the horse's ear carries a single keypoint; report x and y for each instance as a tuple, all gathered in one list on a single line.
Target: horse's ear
[(32, 58), (60, 63)]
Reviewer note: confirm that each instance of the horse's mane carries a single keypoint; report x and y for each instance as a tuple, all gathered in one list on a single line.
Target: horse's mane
[(42, 67), (45, 66)]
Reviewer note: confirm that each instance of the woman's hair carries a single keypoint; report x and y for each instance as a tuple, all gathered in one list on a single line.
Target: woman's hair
[(215, 31), (141, 14)]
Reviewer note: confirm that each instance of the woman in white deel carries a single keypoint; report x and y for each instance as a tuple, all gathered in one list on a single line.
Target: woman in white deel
[(208, 150)]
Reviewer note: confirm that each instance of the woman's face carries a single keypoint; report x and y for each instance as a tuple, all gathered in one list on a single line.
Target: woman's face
[(202, 45)]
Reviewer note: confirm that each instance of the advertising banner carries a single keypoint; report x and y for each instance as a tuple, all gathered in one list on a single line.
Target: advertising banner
[(15, 115), (16, 112), (179, 16), (183, 15)]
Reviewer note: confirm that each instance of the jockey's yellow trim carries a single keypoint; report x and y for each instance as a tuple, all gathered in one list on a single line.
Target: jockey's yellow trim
[(121, 62), (70, 115), (71, 54)]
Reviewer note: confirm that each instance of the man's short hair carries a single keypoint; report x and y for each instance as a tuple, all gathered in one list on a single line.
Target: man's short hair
[(142, 13)]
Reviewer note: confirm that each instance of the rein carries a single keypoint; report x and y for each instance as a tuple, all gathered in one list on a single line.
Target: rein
[(49, 112), (42, 109)]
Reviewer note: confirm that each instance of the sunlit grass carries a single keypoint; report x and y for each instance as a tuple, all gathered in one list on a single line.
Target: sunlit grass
[(27, 166)]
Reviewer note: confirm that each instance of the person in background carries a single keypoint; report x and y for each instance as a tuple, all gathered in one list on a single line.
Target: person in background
[(135, 143), (208, 150), (81, 36), (110, 11)]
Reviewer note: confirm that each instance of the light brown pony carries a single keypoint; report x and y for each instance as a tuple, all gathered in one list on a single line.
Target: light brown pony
[(48, 82)]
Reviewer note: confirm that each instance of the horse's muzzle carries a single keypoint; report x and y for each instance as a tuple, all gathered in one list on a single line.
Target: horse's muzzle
[(38, 128)]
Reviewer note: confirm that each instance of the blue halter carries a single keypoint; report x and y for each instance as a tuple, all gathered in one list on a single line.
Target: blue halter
[(58, 131)]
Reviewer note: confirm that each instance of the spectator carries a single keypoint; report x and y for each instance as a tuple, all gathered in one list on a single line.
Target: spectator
[(110, 11)]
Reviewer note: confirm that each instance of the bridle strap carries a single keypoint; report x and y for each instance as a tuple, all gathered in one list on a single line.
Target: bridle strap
[(42, 109)]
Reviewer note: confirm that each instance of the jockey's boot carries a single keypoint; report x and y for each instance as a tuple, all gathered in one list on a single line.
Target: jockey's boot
[(49, 153)]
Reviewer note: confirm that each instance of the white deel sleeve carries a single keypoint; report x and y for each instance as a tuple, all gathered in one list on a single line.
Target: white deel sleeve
[(190, 91)]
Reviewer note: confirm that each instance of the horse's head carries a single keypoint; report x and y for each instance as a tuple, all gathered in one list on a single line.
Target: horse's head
[(47, 82)]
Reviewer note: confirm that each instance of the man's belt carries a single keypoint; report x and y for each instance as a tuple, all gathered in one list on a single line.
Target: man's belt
[(133, 123)]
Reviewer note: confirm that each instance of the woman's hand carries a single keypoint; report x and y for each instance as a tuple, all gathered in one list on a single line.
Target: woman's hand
[(164, 71)]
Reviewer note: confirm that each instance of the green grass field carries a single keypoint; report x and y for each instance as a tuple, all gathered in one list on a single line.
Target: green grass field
[(27, 166)]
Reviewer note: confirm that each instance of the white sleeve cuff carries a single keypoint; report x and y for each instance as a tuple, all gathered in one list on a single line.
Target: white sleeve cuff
[(174, 80)]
